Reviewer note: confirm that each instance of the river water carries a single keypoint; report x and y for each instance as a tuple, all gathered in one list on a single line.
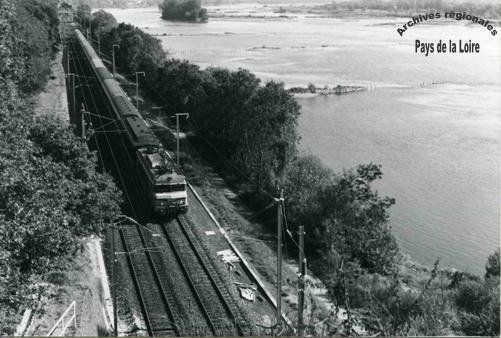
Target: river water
[(433, 122)]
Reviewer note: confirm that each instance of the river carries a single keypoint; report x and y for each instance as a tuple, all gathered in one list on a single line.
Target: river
[(432, 122)]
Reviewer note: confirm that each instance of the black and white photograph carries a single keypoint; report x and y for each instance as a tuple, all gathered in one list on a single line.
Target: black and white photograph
[(250, 168)]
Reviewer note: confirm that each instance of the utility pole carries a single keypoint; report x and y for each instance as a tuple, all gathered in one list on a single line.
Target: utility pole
[(82, 114), (301, 277), (113, 286), (177, 134), (99, 41), (280, 204), (73, 96), (113, 53), (67, 58), (137, 88)]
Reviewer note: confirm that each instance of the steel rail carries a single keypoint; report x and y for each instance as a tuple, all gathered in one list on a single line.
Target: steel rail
[(175, 320), (193, 288), (210, 272), (142, 304)]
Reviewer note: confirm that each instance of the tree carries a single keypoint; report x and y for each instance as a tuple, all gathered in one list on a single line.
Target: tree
[(492, 265), (83, 15), (137, 50), (102, 22), (220, 119), (184, 10), (37, 25), (306, 177), (355, 220), (268, 135), (181, 83)]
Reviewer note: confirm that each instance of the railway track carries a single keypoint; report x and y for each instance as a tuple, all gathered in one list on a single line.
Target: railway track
[(215, 300), (155, 301), (178, 288)]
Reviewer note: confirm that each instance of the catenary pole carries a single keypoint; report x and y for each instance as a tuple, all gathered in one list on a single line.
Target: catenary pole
[(301, 277), (99, 41), (137, 88), (113, 55), (82, 114), (113, 284), (177, 134), (73, 95), (280, 203)]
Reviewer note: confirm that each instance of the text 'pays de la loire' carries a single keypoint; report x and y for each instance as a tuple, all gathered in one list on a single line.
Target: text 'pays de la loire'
[(460, 47)]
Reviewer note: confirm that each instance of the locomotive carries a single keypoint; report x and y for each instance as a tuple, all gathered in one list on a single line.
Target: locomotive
[(164, 187)]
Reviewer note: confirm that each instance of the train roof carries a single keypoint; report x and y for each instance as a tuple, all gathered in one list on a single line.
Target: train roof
[(104, 73), (162, 169), (91, 53), (114, 87), (139, 132)]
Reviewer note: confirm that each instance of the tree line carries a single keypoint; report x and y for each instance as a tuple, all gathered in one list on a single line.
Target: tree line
[(51, 195), (249, 129)]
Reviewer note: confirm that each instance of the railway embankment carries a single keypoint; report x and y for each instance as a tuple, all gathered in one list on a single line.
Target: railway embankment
[(83, 279)]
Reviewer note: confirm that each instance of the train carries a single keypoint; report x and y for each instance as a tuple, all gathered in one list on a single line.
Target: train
[(164, 187)]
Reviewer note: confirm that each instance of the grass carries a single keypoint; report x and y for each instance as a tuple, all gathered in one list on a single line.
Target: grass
[(79, 282)]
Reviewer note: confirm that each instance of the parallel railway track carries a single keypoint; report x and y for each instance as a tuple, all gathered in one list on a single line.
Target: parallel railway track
[(155, 301), (218, 302), (178, 288)]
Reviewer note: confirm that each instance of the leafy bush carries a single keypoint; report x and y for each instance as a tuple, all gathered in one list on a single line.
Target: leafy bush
[(477, 301)]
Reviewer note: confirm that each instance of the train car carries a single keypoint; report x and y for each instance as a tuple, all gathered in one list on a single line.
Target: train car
[(164, 187)]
